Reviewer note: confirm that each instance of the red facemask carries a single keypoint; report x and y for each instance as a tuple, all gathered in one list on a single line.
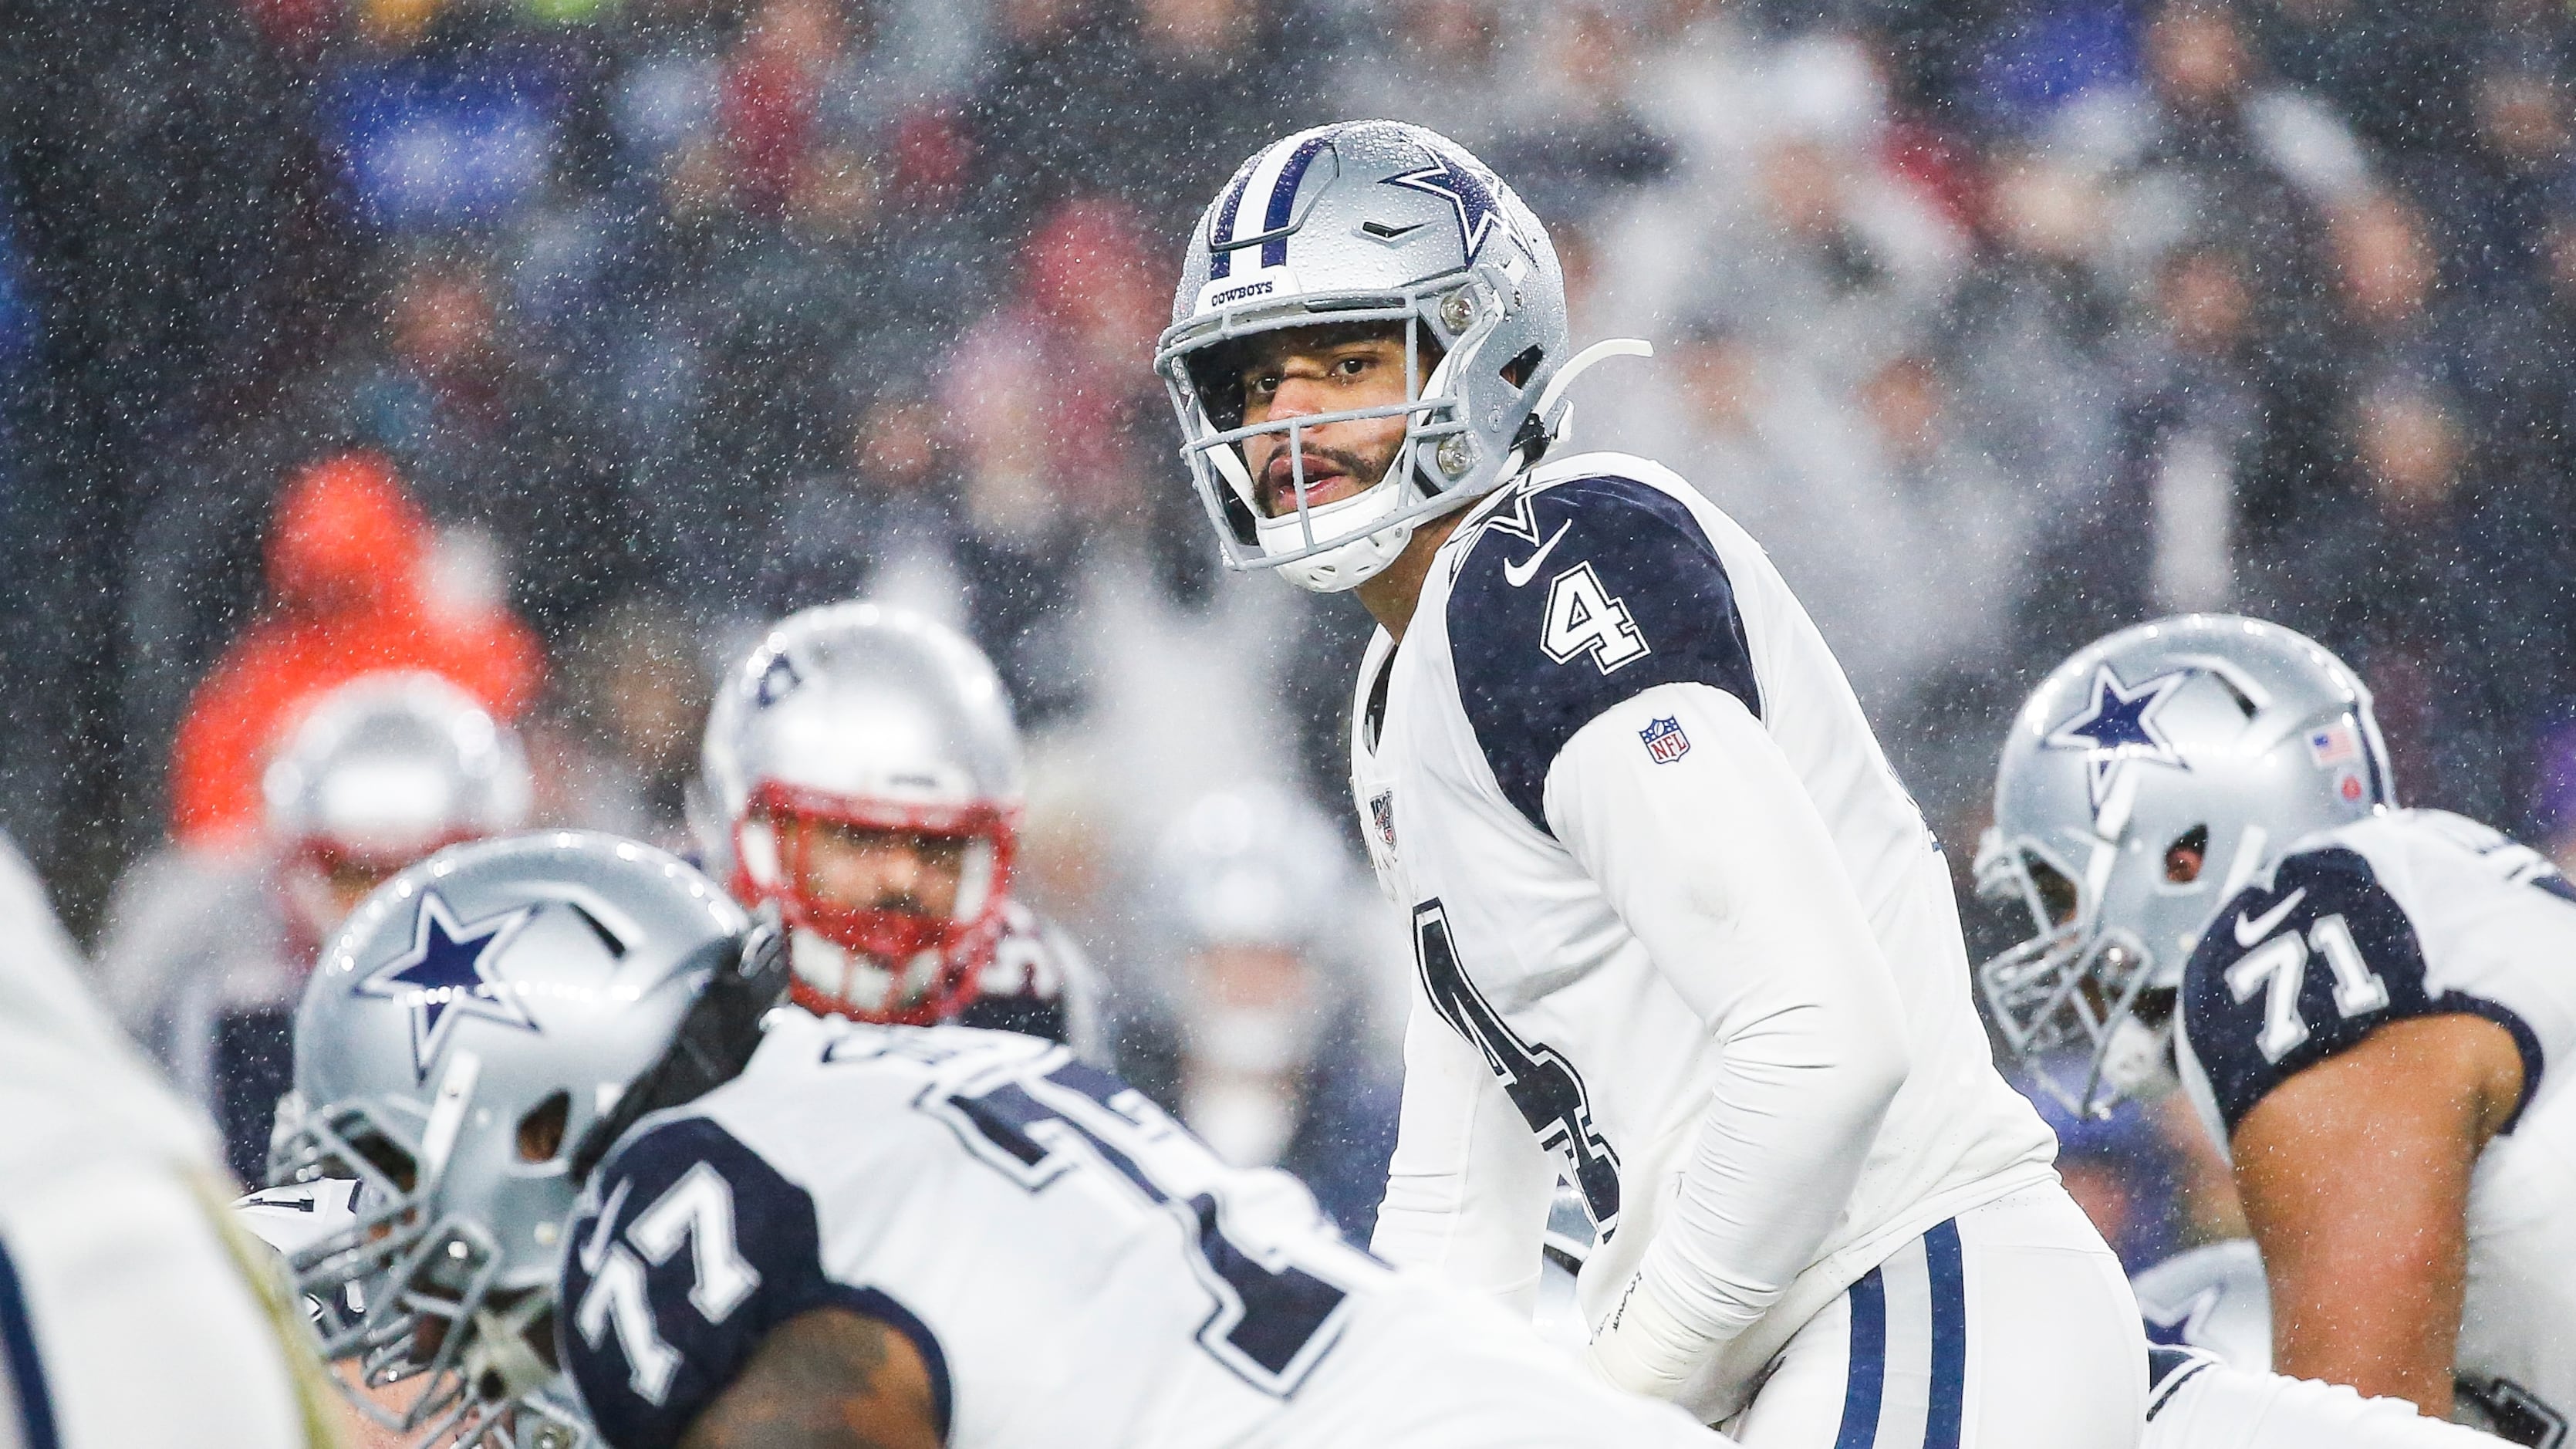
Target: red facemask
[(890, 939)]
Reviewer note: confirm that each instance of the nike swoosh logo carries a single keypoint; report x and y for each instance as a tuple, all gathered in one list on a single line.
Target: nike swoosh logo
[(1517, 574), (2249, 932)]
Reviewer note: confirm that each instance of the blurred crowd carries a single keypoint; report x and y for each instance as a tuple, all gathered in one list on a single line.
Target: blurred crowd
[(625, 325)]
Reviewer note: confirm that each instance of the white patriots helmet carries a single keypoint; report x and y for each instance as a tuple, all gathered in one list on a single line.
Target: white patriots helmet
[(467, 1030), (1361, 222), (2148, 779), (1254, 865), (859, 715), (380, 772)]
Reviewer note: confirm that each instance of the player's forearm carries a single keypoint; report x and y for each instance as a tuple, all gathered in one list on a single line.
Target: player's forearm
[(2375, 1305), (1769, 1174), (1725, 873), (1467, 1189)]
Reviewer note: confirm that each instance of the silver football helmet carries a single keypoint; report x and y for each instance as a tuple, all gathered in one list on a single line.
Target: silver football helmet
[(1370, 222), (2147, 780), (380, 772), (463, 1033), (863, 717)]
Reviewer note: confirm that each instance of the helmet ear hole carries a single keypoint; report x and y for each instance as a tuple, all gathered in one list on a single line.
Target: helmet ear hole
[(2187, 855), (1523, 367), (541, 1131)]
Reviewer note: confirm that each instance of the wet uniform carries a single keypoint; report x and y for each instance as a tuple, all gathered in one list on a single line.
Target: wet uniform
[(1072, 1266), (2410, 914), (1607, 723)]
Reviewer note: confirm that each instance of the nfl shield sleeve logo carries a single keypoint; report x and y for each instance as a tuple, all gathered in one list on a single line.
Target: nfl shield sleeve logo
[(1665, 740)]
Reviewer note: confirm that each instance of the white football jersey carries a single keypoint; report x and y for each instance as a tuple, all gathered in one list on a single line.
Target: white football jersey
[(1603, 583), (1072, 1265), (2421, 913), (129, 1317)]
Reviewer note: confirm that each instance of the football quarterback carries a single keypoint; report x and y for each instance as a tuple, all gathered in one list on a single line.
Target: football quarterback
[(863, 772), (2361, 1001), (1682, 938)]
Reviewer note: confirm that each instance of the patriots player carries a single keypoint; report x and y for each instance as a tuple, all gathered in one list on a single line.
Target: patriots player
[(1681, 937), (2363, 1002), (864, 774), (805, 1231), (207, 952)]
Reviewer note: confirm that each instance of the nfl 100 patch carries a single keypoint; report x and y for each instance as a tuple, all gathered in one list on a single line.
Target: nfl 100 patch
[(1665, 740), (1382, 815)]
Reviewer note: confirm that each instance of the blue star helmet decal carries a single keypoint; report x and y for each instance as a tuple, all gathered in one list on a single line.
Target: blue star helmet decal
[(2118, 726), (776, 681), (2183, 1329), (1463, 188), (443, 978)]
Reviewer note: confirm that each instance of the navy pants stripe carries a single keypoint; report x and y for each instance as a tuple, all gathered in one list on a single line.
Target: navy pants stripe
[(1923, 1337), (26, 1370), (1942, 1263), (1868, 1374)]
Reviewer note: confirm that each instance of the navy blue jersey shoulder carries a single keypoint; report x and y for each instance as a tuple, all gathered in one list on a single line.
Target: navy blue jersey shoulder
[(2288, 976), (1574, 597), (696, 1250)]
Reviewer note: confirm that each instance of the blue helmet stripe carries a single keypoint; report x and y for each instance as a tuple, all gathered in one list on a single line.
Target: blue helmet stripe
[(1221, 257), (1283, 199)]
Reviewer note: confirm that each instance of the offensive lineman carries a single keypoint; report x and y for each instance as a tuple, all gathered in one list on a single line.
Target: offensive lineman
[(831, 1234), (1682, 938), (865, 772), (2362, 1002)]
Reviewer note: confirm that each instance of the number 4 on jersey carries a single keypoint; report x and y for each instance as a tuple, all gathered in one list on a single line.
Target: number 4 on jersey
[(1541, 1083), (1583, 618)]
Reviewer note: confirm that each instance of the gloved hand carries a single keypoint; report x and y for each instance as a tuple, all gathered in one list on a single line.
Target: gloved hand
[(1646, 1348)]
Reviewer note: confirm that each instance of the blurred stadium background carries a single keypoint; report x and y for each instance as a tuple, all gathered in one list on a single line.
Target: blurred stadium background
[(553, 345)]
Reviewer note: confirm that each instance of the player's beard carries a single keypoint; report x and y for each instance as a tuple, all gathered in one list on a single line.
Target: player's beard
[(1365, 469)]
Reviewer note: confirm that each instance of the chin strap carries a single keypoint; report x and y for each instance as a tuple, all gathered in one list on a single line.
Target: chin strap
[(1556, 422)]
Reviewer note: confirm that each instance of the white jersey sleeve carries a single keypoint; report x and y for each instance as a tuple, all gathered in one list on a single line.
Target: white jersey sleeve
[(1468, 1190), (1720, 865)]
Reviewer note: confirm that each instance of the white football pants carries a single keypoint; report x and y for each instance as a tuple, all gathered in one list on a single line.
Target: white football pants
[(2009, 1327), (2200, 1403), (127, 1321)]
